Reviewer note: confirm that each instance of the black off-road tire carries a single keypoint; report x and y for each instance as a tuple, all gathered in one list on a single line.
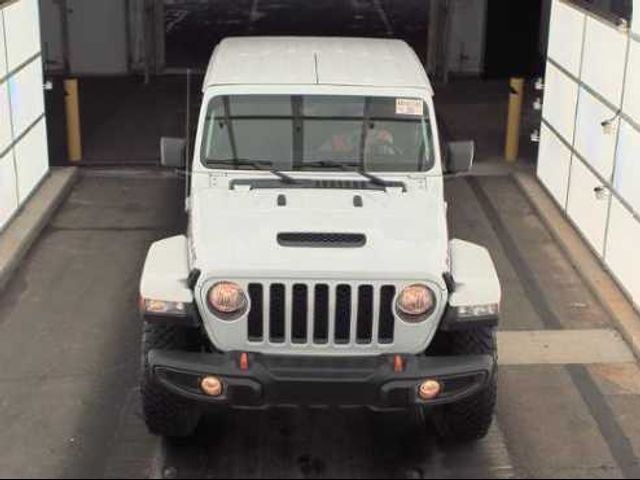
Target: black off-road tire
[(165, 413), (470, 420)]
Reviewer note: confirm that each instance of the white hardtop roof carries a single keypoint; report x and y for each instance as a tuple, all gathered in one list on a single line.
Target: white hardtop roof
[(316, 61)]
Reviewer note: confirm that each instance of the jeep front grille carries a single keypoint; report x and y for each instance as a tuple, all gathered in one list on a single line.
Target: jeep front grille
[(321, 314)]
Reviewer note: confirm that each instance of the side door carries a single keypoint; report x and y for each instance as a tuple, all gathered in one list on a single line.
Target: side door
[(98, 40)]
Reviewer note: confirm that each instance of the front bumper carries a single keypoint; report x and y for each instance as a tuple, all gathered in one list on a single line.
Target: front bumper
[(271, 381)]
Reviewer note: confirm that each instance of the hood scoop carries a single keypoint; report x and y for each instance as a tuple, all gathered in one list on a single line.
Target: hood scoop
[(322, 240)]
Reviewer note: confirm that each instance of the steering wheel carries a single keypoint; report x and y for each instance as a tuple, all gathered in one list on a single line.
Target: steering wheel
[(381, 142)]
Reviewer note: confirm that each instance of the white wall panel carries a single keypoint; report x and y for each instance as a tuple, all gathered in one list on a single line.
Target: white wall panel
[(22, 31), (588, 209), (3, 56), (554, 165), (32, 160), (627, 175), (21, 105), (561, 98), (5, 120), (605, 220), (622, 249), (8, 195), (27, 99), (632, 90), (605, 52), (592, 142), (565, 36)]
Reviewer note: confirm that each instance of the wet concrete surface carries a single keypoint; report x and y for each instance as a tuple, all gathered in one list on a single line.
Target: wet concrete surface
[(69, 344)]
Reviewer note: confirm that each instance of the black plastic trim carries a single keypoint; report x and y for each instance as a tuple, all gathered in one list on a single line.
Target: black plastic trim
[(452, 322), (190, 319), (272, 381)]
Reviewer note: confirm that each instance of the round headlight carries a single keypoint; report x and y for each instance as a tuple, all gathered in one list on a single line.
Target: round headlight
[(227, 299), (415, 302)]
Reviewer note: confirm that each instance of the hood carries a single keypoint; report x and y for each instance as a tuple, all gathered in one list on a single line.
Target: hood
[(396, 235)]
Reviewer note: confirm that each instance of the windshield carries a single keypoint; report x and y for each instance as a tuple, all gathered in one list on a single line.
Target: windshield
[(384, 134)]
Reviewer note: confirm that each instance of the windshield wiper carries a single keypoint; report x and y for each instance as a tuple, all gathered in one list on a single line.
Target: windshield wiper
[(346, 167), (262, 165)]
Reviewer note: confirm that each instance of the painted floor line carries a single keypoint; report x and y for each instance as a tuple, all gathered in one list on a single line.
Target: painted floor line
[(562, 347)]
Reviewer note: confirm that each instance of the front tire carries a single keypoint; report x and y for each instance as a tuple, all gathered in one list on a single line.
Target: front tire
[(165, 413), (470, 419)]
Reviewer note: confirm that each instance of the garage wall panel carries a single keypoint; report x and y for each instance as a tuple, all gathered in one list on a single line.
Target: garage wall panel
[(593, 142), (31, 165), (8, 193), (22, 28), (27, 100), (603, 196), (566, 32), (554, 165), (622, 249), (23, 138), (632, 87), (605, 50), (5, 116), (627, 174), (561, 101), (586, 207), (3, 57)]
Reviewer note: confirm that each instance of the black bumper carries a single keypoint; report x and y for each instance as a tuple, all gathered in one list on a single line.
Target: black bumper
[(320, 381)]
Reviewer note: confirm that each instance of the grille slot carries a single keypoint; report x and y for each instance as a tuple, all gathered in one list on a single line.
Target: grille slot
[(277, 313), (299, 312), (322, 240), (255, 321), (387, 319), (321, 314), (343, 314), (365, 314)]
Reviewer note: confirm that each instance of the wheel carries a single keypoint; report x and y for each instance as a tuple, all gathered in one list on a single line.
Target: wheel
[(470, 419), (165, 413)]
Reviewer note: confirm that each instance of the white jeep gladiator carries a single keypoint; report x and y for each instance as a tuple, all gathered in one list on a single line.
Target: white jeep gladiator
[(317, 268)]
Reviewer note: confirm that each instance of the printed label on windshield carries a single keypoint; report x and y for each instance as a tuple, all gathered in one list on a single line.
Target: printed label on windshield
[(409, 106)]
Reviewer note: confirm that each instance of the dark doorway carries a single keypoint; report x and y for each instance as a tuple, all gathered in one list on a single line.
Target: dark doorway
[(194, 27), (513, 38)]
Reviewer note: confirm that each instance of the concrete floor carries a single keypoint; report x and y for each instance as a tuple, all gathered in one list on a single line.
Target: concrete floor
[(69, 342)]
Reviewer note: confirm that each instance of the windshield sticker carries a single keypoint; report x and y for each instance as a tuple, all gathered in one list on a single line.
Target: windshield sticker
[(409, 106)]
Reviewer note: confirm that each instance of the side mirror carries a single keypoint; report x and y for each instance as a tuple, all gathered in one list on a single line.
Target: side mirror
[(460, 156), (172, 152)]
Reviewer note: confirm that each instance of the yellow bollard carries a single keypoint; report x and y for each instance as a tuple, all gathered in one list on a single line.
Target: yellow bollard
[(514, 120), (72, 104)]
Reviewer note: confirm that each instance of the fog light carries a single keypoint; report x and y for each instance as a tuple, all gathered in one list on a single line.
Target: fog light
[(211, 386), (429, 389)]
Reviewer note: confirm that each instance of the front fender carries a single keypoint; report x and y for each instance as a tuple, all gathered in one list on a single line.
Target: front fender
[(165, 278), (476, 294)]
